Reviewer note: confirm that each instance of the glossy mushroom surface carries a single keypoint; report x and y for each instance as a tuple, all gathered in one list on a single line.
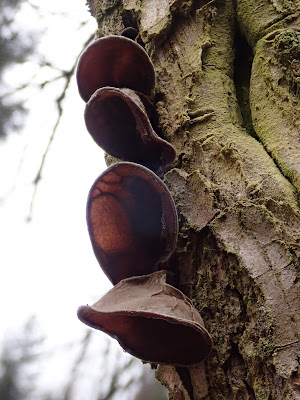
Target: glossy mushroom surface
[(114, 61), (118, 122), (132, 221), (151, 320)]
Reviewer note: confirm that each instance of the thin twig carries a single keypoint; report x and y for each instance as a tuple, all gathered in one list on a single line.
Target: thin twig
[(85, 344), (114, 385), (68, 76), (40, 85)]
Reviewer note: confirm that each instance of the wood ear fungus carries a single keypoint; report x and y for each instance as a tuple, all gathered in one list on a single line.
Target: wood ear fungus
[(132, 221), (130, 33), (151, 320), (118, 122), (131, 216), (114, 61)]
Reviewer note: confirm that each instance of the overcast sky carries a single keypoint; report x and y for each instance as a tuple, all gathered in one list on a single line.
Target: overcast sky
[(48, 266)]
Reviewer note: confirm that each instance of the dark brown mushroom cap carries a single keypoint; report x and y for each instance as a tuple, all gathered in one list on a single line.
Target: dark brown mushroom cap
[(132, 221), (117, 121), (151, 320), (114, 61), (130, 32)]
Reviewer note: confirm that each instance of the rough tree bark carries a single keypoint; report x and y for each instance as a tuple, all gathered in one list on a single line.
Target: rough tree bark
[(227, 97)]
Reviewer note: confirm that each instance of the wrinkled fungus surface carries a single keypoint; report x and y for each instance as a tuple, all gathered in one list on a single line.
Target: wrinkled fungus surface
[(114, 61), (117, 120), (132, 221), (150, 319)]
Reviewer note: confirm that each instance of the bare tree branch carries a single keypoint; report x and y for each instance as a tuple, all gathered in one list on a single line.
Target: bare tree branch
[(85, 344), (68, 76)]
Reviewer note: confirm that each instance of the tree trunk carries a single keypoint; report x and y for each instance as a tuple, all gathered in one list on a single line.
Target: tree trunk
[(227, 98)]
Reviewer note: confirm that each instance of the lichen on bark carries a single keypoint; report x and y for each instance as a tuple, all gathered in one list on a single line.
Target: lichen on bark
[(238, 251)]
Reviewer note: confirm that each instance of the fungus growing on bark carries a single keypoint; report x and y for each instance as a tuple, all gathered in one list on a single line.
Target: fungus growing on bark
[(151, 320), (130, 33), (114, 61), (118, 122), (132, 221)]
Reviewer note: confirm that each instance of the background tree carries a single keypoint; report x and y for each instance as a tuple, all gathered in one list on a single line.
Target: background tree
[(24, 360), (19, 362), (235, 126), (15, 46)]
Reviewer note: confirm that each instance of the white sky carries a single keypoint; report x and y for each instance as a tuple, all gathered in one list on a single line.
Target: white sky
[(47, 266)]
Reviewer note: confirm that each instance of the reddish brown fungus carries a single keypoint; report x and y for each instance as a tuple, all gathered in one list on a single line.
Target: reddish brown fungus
[(114, 61), (117, 120), (132, 221), (151, 320)]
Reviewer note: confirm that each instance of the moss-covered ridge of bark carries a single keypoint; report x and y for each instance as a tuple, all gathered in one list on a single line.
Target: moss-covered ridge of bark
[(287, 48), (275, 100), (258, 18), (200, 114)]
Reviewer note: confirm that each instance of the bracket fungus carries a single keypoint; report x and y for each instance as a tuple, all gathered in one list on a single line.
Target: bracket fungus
[(114, 61), (151, 320), (132, 221), (118, 122)]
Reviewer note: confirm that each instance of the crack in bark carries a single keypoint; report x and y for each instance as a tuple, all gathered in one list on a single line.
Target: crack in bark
[(282, 172), (242, 72), (275, 21), (282, 346), (242, 75), (185, 377)]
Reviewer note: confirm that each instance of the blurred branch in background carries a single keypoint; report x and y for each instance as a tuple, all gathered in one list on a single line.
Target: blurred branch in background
[(67, 75), (25, 71), (15, 46), (150, 388), (75, 368), (107, 374), (19, 361)]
